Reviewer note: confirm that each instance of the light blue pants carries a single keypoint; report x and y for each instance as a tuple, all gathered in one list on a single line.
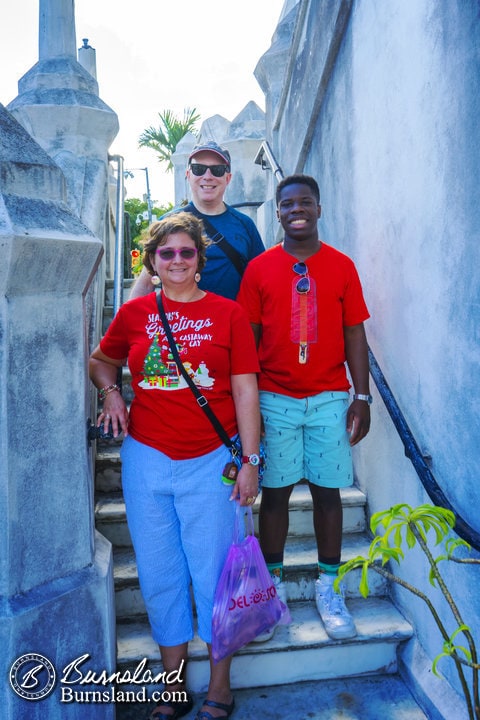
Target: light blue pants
[(181, 523)]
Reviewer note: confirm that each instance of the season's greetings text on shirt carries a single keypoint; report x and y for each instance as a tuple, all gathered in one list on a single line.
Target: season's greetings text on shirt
[(187, 331)]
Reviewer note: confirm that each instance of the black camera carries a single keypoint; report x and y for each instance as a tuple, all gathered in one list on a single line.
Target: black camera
[(98, 433)]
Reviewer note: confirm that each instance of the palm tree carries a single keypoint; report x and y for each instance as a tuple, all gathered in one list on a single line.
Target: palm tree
[(164, 139)]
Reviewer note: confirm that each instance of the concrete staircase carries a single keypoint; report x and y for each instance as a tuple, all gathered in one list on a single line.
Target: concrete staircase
[(298, 653)]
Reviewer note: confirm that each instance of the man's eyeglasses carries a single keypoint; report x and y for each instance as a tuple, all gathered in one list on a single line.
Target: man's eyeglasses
[(303, 283), (199, 169), (185, 253)]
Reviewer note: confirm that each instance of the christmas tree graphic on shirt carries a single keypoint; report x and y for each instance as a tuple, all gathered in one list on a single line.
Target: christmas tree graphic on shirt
[(160, 374)]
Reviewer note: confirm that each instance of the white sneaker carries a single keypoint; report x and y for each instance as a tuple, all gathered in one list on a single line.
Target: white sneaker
[(332, 609), (281, 589)]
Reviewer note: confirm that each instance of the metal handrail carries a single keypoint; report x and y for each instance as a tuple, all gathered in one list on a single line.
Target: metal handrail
[(119, 244), (252, 203), (266, 159), (119, 233)]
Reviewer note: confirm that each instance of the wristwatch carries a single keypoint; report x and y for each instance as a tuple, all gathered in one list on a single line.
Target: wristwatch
[(252, 459), (367, 398)]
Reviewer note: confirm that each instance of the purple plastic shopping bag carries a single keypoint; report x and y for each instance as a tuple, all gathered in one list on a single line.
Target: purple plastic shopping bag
[(246, 602)]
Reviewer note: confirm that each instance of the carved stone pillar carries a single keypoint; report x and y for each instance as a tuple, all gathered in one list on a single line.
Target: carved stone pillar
[(56, 587)]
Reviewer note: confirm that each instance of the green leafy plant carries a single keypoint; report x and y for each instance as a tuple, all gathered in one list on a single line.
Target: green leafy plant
[(138, 220), (401, 525)]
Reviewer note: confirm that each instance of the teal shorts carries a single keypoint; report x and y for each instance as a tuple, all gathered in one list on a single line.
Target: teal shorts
[(306, 438)]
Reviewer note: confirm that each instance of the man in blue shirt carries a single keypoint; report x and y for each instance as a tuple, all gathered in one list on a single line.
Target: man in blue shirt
[(234, 237)]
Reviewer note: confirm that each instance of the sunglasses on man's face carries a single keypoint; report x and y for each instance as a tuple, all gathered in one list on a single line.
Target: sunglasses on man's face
[(169, 253), (199, 169), (303, 283)]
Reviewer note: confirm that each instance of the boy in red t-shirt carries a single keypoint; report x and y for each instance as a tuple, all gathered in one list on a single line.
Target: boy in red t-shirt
[(306, 306)]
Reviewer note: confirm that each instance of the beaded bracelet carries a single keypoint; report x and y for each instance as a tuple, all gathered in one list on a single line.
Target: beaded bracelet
[(107, 389)]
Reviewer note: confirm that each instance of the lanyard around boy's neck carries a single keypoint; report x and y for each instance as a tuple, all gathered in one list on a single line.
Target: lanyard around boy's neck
[(303, 330)]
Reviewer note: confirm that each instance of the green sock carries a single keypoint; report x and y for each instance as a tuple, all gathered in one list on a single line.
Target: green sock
[(326, 569), (276, 569)]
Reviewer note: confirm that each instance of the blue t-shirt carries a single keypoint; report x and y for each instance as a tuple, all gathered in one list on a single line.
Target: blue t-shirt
[(219, 274)]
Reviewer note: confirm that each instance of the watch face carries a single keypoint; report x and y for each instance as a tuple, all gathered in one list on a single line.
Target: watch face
[(252, 459)]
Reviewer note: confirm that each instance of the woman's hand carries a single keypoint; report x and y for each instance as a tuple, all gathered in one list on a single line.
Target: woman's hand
[(245, 397), (114, 410), (103, 372), (245, 489)]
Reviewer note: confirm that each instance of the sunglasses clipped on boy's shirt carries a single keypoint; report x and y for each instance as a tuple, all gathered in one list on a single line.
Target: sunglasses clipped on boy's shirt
[(303, 283)]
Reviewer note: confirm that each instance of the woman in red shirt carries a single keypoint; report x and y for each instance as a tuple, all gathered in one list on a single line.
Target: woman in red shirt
[(179, 512)]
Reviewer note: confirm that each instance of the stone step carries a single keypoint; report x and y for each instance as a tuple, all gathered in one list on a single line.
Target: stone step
[(374, 697), (301, 651), (110, 508), (300, 574), (108, 473), (127, 286)]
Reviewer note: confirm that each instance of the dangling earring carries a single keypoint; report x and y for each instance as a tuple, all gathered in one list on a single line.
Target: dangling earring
[(155, 280), (198, 277)]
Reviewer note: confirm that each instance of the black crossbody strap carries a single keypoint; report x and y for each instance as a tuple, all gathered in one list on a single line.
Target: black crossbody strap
[(237, 260), (201, 399)]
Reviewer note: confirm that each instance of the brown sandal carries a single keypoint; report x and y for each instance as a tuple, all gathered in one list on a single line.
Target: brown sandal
[(205, 715)]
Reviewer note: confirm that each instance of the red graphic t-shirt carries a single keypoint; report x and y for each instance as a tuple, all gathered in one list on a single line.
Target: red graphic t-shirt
[(214, 340), (314, 319)]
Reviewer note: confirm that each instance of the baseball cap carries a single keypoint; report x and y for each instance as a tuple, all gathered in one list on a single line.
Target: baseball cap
[(211, 146)]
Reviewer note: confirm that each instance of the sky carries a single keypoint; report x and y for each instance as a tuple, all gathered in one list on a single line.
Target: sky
[(154, 55)]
